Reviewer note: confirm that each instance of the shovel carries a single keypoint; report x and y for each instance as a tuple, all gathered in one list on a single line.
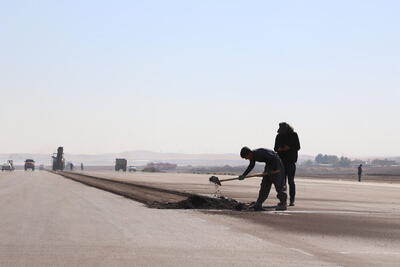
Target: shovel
[(217, 181)]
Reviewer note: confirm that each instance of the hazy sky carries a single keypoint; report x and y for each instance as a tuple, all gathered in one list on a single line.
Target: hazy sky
[(199, 76)]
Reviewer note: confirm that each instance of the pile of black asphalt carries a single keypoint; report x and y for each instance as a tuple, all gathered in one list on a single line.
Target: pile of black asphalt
[(203, 202)]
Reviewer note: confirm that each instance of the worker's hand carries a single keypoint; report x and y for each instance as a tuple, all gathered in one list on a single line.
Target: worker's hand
[(268, 172), (241, 177), (283, 148)]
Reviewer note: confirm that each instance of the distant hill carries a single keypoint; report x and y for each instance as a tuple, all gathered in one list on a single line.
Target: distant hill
[(138, 157)]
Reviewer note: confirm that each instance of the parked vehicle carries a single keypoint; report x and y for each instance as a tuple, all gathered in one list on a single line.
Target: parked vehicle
[(29, 164), (131, 168), (9, 166), (120, 164)]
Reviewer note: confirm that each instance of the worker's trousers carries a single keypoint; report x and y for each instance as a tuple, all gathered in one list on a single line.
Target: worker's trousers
[(279, 182), (290, 171)]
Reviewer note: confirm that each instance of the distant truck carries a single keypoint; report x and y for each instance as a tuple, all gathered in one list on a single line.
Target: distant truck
[(131, 168), (9, 166), (29, 164), (120, 164)]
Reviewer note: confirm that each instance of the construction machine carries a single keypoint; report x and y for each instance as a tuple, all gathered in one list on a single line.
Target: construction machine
[(58, 160)]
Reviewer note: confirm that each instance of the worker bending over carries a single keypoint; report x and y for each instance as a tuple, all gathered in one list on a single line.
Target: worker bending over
[(276, 175)]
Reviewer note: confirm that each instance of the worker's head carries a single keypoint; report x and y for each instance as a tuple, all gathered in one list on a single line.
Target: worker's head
[(285, 128), (246, 153)]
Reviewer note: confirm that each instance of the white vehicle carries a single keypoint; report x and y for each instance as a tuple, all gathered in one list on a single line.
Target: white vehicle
[(9, 166), (131, 168)]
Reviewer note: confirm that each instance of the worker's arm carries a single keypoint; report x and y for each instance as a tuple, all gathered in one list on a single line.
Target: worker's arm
[(248, 170), (277, 143), (296, 142)]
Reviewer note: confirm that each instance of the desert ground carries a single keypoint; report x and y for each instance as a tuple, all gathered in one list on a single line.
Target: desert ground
[(49, 220)]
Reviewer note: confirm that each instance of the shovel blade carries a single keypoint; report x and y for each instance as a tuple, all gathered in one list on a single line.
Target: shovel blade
[(215, 180)]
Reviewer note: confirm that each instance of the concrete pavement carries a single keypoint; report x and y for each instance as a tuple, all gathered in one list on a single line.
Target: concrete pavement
[(47, 220)]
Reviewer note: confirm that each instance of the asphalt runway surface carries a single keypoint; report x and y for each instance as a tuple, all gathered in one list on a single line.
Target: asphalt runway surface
[(48, 220)]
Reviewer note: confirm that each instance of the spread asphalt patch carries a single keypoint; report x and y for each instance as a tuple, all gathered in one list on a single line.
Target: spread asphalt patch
[(154, 197)]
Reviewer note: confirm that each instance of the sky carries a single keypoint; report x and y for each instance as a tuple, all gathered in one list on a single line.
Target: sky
[(199, 76)]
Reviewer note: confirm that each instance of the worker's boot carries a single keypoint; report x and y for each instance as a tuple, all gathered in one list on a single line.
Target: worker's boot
[(256, 206), (281, 206), (291, 203)]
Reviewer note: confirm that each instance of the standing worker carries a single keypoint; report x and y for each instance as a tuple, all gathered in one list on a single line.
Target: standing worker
[(359, 172), (274, 167), (81, 166), (287, 144)]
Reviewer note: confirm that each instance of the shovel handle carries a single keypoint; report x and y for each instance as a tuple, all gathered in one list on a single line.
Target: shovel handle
[(250, 176)]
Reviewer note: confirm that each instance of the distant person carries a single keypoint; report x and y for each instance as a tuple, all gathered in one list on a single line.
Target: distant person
[(272, 163), (81, 166), (359, 172), (71, 167), (287, 144)]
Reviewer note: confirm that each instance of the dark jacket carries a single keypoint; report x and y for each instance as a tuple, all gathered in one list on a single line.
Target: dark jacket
[(292, 140), (269, 157)]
